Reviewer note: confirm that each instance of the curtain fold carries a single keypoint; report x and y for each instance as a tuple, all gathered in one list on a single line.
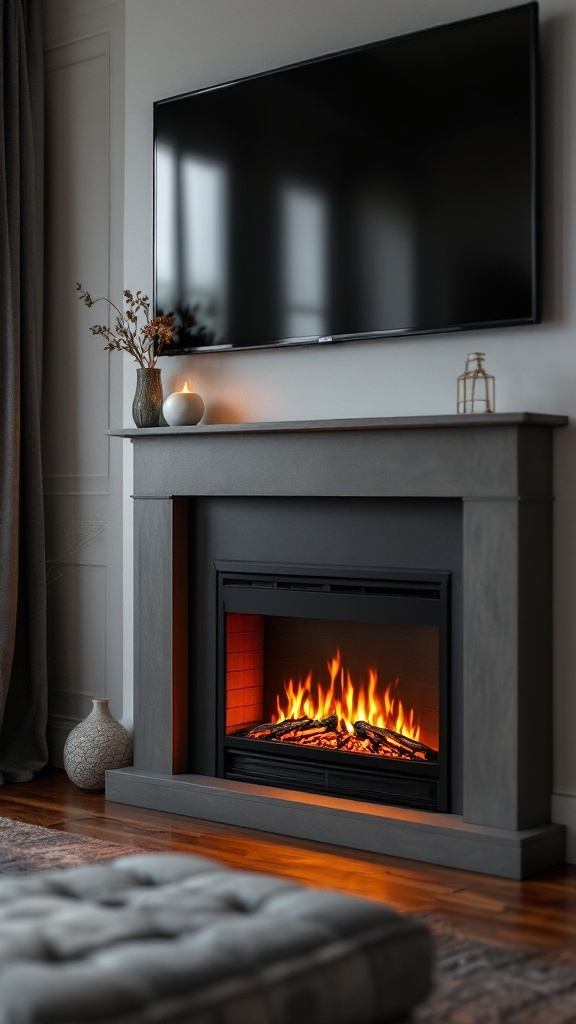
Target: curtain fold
[(23, 679)]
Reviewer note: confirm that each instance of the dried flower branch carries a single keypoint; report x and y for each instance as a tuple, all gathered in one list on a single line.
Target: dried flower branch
[(144, 343)]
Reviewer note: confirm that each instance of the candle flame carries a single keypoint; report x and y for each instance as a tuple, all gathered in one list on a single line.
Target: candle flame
[(185, 390)]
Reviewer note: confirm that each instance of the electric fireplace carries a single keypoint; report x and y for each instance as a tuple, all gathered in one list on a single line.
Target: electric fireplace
[(335, 683)]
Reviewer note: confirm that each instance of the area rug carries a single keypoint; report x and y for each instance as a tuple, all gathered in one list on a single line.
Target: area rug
[(25, 848), (481, 982)]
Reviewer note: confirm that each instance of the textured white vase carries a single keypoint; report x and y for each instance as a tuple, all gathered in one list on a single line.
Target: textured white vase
[(96, 745)]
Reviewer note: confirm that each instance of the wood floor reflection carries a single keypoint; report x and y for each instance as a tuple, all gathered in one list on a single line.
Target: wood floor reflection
[(537, 911)]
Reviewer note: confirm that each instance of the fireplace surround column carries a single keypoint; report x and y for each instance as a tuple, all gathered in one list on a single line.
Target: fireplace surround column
[(161, 627), (507, 661), (500, 468)]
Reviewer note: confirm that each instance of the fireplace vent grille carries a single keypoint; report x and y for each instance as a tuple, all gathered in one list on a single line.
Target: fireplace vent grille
[(406, 590)]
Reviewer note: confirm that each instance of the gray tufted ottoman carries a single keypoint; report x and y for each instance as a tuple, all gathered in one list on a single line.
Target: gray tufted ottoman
[(180, 939)]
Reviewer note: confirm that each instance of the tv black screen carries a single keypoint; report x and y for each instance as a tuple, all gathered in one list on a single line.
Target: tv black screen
[(386, 190)]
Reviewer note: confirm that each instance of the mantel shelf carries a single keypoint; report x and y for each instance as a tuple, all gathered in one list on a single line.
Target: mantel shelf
[(511, 419)]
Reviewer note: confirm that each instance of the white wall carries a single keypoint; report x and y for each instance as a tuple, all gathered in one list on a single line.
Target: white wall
[(174, 46)]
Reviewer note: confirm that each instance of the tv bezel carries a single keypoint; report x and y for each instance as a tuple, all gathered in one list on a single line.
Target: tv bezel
[(532, 9)]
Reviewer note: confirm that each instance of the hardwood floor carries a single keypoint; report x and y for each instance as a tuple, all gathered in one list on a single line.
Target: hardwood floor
[(539, 911)]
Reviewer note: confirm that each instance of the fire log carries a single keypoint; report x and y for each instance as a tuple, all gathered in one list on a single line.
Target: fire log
[(345, 739), (307, 727), (274, 730), (410, 747), (292, 727)]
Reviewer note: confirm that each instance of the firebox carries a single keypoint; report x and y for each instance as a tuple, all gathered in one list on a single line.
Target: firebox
[(335, 681)]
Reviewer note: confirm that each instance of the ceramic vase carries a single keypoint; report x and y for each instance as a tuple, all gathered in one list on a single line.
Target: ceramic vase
[(96, 745), (147, 403), (183, 409)]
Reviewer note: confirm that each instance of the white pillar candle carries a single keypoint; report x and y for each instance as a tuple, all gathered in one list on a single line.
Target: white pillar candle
[(183, 408)]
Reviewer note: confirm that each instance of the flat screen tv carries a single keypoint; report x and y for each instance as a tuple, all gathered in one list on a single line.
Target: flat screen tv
[(383, 191)]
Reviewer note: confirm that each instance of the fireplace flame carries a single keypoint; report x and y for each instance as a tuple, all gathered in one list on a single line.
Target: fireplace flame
[(349, 701)]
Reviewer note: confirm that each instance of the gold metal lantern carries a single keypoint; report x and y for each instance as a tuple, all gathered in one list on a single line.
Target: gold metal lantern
[(475, 387)]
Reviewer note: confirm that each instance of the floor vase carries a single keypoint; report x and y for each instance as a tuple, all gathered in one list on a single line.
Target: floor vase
[(96, 745)]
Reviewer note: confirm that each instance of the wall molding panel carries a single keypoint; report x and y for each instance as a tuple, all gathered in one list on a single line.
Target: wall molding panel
[(82, 384)]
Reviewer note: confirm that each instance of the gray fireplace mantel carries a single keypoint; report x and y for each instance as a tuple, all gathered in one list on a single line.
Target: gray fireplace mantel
[(500, 467)]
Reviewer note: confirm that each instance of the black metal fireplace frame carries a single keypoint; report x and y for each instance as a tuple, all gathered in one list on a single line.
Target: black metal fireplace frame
[(359, 594)]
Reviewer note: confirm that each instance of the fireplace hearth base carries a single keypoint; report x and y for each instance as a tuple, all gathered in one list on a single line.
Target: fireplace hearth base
[(394, 831)]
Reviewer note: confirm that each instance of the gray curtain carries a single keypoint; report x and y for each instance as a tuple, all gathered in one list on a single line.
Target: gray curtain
[(23, 698)]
